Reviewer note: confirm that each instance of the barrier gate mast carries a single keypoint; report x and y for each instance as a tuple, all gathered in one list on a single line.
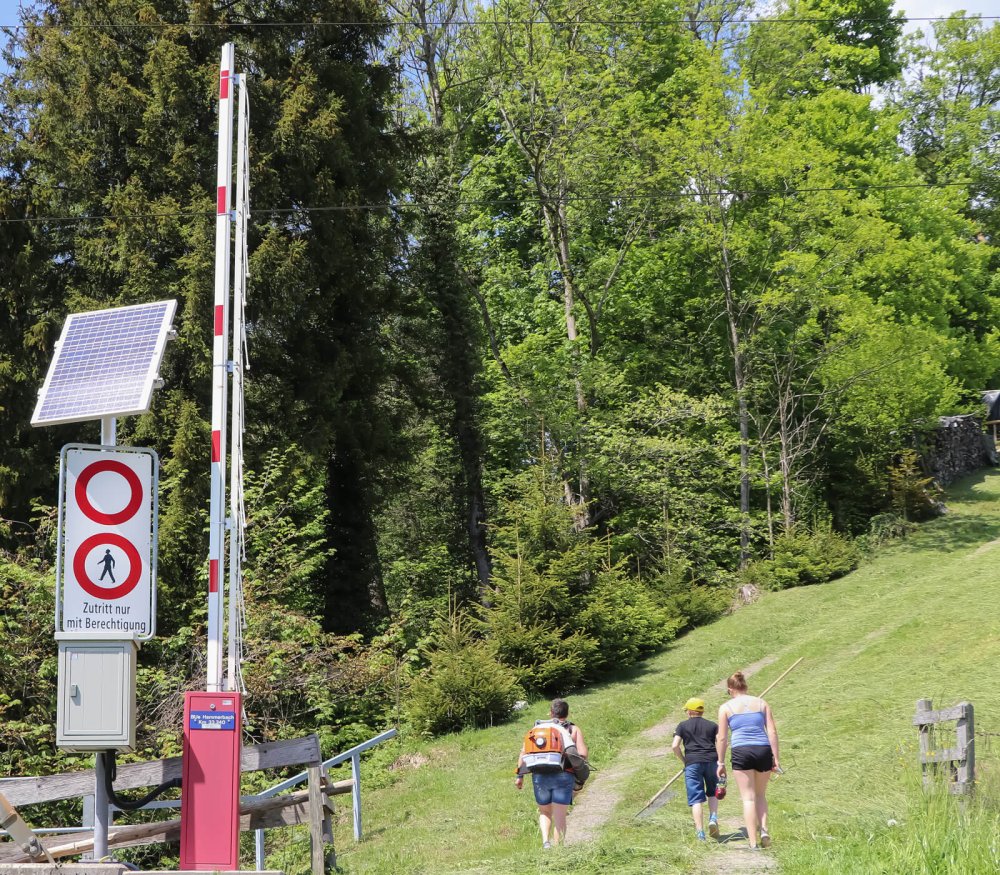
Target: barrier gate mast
[(210, 788)]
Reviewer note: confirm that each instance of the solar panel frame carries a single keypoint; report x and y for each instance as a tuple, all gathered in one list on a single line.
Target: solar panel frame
[(106, 363)]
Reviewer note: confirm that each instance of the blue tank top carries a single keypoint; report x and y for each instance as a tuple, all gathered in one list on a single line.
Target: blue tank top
[(748, 729)]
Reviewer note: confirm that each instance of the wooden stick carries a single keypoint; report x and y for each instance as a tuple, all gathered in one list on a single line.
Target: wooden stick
[(681, 772), (781, 677), (661, 791)]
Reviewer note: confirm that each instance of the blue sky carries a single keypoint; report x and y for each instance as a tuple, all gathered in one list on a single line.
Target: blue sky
[(913, 8), (8, 11)]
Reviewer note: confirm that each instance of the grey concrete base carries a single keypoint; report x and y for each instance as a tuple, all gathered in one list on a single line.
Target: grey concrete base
[(96, 869)]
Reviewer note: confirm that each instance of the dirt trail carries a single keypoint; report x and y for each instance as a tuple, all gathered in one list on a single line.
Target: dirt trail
[(734, 857), (606, 787)]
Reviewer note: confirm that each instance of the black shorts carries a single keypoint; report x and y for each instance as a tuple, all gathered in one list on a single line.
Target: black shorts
[(753, 758)]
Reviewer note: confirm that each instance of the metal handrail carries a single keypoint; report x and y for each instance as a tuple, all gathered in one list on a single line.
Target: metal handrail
[(354, 755), (333, 761)]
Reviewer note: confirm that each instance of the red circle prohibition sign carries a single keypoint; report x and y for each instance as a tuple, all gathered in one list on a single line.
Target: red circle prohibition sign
[(91, 512), (88, 585)]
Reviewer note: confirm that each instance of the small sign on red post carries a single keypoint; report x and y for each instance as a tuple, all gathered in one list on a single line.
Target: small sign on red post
[(210, 789)]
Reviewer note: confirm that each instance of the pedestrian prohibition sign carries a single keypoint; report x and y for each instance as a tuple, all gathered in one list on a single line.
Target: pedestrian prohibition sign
[(107, 550)]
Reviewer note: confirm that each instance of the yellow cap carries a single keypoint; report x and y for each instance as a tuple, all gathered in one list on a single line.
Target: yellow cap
[(694, 705)]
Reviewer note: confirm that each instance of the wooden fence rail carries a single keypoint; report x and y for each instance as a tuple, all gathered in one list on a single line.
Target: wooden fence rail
[(312, 806), (960, 760)]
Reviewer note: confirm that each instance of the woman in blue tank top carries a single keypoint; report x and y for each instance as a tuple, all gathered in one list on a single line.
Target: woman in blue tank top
[(755, 753)]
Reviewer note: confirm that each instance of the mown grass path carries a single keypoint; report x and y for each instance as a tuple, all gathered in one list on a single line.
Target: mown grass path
[(917, 621)]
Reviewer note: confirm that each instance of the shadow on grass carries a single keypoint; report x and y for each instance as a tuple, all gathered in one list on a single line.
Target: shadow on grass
[(964, 489), (962, 527), (958, 533), (632, 674)]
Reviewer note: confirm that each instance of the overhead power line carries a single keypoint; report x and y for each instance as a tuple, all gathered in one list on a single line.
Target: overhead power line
[(611, 197), (480, 23)]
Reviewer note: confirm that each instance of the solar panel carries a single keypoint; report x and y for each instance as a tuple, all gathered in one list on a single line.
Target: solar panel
[(105, 364)]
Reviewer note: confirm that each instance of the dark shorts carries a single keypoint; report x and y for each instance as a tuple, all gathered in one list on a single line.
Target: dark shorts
[(753, 758), (700, 780), (554, 787)]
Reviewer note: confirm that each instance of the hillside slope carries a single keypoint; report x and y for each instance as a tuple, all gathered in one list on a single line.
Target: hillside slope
[(917, 621)]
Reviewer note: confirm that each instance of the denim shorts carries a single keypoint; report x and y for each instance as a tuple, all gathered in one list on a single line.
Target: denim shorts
[(700, 780), (553, 787)]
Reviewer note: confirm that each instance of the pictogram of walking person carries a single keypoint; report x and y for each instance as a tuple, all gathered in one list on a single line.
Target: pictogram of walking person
[(109, 563)]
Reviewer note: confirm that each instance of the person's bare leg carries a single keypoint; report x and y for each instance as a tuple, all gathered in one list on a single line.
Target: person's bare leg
[(559, 822), (760, 785), (748, 793), (699, 817), (545, 821)]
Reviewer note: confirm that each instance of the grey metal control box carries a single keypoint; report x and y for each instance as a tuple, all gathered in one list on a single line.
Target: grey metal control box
[(96, 704)]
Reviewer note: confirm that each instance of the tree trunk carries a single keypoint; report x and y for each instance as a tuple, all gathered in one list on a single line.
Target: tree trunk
[(354, 594), (740, 384), (558, 233)]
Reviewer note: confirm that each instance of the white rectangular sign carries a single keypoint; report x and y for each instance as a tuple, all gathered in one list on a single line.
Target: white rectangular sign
[(107, 550)]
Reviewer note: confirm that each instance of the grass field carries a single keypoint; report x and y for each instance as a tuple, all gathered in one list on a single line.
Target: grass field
[(920, 620)]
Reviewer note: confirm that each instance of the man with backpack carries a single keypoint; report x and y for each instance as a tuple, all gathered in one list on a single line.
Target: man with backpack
[(548, 754)]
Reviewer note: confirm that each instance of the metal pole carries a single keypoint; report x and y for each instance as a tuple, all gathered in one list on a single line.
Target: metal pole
[(356, 794), (102, 811), (258, 844), (109, 431), (236, 429), (220, 356)]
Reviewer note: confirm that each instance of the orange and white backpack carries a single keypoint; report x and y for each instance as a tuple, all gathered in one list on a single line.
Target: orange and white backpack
[(546, 747)]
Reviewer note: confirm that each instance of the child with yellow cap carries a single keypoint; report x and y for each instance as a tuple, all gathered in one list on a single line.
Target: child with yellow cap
[(697, 735)]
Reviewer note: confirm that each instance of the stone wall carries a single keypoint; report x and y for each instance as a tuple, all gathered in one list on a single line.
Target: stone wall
[(957, 447)]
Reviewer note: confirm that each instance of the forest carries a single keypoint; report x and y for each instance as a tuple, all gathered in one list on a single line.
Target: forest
[(566, 321)]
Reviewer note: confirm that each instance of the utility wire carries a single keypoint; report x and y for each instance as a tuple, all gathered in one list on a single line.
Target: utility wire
[(416, 205), (480, 23)]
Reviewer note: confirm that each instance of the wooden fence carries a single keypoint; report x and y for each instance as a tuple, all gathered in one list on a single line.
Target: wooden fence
[(960, 760), (312, 806)]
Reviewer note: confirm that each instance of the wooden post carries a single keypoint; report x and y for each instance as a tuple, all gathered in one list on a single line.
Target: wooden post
[(965, 732), (317, 849), (331, 855), (926, 740), (960, 760)]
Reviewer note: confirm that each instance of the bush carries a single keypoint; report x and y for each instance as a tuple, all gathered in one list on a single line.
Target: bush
[(465, 685), (692, 604), (624, 619), (886, 527), (913, 496), (801, 558)]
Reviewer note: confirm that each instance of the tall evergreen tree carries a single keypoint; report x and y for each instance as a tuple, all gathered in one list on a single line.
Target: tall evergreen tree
[(112, 116)]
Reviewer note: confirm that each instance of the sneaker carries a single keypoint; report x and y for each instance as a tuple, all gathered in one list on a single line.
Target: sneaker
[(713, 827), (547, 845), (700, 835), (765, 840)]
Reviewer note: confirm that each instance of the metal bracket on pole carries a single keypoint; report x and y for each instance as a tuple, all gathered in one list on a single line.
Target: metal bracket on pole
[(20, 832)]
